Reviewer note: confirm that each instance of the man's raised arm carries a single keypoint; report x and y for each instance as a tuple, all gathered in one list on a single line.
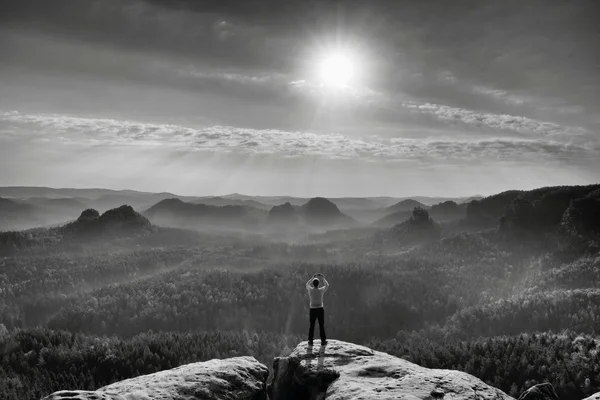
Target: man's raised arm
[(308, 284), (324, 288)]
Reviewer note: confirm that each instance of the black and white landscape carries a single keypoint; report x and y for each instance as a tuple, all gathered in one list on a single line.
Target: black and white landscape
[(505, 287), (174, 174)]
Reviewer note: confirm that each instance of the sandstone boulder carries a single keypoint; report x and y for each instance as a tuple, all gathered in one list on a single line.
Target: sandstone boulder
[(343, 371), (238, 378)]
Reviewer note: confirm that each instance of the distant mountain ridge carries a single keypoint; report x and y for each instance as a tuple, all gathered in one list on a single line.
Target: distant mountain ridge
[(178, 213), (19, 214), (221, 201), (48, 192), (59, 202), (349, 203), (100, 199), (22, 192), (16, 215), (54, 206)]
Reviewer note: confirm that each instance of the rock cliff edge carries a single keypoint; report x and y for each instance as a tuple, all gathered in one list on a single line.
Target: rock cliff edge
[(337, 371), (342, 370), (238, 378)]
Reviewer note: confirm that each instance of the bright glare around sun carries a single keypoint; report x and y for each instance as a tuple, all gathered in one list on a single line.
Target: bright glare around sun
[(337, 69)]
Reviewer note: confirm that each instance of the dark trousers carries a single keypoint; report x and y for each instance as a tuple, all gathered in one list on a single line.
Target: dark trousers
[(317, 314)]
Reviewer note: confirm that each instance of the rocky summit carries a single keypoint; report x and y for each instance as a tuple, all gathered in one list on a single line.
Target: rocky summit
[(238, 378), (344, 371), (336, 371)]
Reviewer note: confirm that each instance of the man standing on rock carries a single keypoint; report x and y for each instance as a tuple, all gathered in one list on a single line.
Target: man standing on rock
[(315, 293)]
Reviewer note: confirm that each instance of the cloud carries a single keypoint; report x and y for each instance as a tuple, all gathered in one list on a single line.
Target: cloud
[(69, 130), (233, 77), (503, 122), (253, 49)]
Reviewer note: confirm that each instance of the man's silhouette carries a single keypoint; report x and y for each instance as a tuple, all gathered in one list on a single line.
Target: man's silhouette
[(315, 293)]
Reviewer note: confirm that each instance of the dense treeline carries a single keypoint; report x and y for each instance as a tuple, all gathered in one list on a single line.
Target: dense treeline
[(582, 273), (236, 287), (75, 238), (37, 362), (35, 286), (575, 309), (365, 296), (364, 301), (570, 361), (486, 267), (444, 302)]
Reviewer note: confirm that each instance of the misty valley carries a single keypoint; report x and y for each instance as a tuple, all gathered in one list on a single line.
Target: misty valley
[(98, 286), (299, 200)]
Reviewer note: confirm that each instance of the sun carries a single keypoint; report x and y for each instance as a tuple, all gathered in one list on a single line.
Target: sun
[(337, 69)]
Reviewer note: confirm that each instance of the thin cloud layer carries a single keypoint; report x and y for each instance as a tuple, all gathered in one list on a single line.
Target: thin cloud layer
[(498, 121), (61, 129), (439, 84)]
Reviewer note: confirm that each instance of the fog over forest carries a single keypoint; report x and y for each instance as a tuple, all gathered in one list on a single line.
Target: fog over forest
[(505, 287), (188, 186)]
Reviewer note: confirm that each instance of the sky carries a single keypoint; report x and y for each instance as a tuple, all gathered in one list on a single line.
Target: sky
[(302, 98)]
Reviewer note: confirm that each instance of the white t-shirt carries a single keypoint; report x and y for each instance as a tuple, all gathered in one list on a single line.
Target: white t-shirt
[(316, 296)]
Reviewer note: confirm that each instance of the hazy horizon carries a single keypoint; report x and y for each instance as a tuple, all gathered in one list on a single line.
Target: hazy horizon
[(197, 194), (306, 99)]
